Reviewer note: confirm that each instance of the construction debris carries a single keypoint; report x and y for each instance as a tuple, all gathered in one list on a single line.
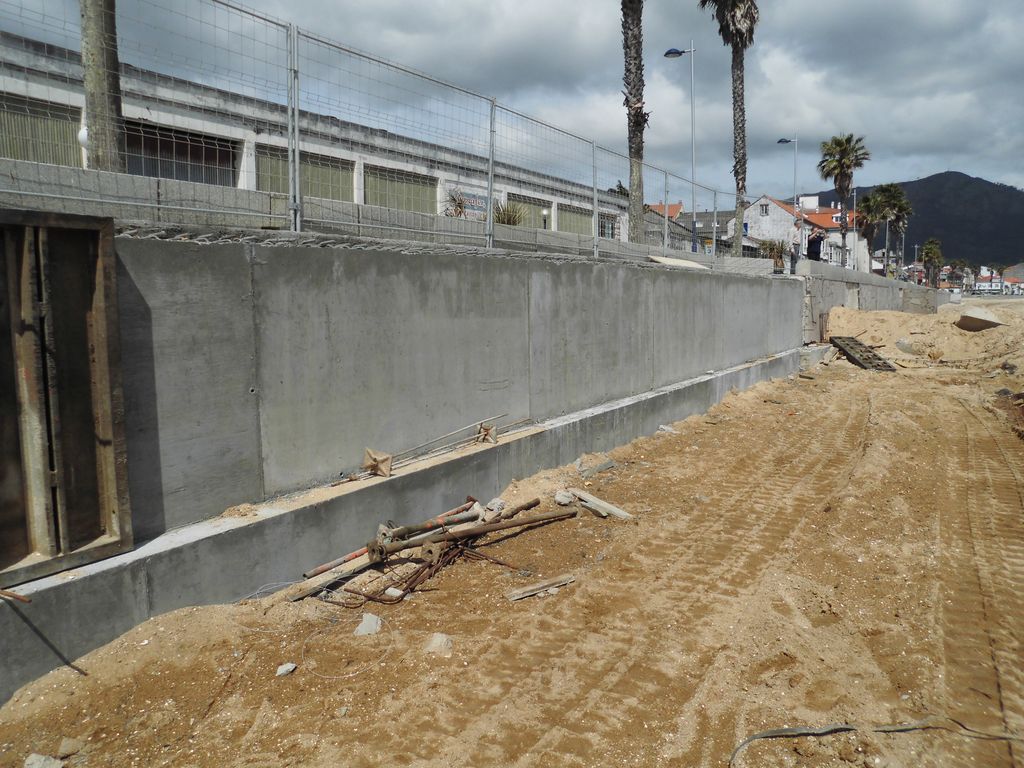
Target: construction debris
[(370, 625), (860, 354), (441, 541), (666, 428), (599, 507), (977, 319), (42, 761), (541, 586), (604, 466), (69, 747), (377, 462), (564, 498), (286, 669), (439, 644)]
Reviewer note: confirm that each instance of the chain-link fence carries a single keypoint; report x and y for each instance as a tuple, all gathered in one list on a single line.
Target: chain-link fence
[(233, 117)]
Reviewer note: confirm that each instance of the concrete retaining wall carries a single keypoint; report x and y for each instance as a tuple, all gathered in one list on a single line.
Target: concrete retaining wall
[(224, 559), (828, 286), (251, 371)]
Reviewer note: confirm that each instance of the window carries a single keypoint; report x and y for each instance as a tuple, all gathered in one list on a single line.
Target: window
[(764, 209), (579, 221), (399, 189), (534, 209), (152, 150), (319, 175), (39, 131), (606, 225)]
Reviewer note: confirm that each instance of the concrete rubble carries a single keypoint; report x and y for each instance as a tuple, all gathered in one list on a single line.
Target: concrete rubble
[(370, 625)]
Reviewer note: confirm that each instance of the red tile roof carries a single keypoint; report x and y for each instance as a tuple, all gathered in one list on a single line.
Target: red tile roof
[(674, 209), (820, 217)]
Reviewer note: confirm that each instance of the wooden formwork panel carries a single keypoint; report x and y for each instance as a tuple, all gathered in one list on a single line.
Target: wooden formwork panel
[(65, 499)]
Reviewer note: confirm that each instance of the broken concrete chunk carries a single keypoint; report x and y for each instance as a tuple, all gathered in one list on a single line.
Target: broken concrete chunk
[(69, 747), (286, 669), (439, 644), (541, 588), (370, 625), (394, 592), (494, 510), (604, 466), (341, 711), (599, 506), (564, 498), (977, 319), (42, 761), (907, 347), (667, 428)]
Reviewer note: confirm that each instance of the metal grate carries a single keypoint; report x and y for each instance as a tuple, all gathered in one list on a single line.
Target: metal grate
[(861, 354)]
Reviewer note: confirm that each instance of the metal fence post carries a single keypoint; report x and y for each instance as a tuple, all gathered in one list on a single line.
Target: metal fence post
[(597, 216), (294, 188), (490, 176), (714, 227), (664, 223)]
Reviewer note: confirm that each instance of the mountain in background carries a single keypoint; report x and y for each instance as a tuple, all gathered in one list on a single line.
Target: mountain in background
[(976, 220)]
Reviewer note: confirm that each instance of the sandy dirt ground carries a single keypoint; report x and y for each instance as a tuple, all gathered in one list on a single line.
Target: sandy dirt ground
[(847, 547)]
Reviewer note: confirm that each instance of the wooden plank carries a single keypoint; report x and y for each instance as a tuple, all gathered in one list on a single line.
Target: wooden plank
[(540, 586), (28, 360), (53, 411), (598, 505)]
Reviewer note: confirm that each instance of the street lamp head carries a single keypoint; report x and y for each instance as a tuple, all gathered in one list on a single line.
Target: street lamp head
[(675, 53), (785, 141)]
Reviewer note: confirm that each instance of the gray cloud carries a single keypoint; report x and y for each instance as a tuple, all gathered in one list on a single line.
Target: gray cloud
[(932, 86)]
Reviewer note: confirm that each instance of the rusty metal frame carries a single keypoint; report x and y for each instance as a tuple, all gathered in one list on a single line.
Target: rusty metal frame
[(38, 416)]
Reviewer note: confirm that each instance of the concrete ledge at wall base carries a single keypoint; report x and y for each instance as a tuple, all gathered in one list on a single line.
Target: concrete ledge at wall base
[(226, 558)]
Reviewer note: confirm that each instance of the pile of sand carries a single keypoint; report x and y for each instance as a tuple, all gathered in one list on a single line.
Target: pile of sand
[(935, 339)]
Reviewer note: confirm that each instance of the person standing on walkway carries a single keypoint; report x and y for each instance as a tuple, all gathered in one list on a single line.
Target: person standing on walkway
[(795, 243)]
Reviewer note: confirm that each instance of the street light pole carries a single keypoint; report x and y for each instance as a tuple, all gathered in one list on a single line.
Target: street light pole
[(675, 53), (796, 204)]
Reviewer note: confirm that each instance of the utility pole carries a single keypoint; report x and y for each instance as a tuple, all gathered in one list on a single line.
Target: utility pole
[(102, 80)]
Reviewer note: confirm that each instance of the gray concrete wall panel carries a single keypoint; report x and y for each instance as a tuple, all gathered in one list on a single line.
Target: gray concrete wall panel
[(361, 348), (590, 335), (189, 381)]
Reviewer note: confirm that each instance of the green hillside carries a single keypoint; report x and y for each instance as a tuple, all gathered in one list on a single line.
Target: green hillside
[(975, 219)]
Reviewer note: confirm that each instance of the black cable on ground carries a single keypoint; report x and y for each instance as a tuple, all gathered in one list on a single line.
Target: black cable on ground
[(931, 722)]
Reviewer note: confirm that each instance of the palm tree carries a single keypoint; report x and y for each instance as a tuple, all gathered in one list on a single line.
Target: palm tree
[(870, 215), (840, 157), (736, 22), (895, 210), (636, 117), (931, 256)]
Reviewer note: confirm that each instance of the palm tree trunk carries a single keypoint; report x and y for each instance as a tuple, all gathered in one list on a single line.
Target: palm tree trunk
[(844, 227), (636, 118), (739, 147), (101, 72)]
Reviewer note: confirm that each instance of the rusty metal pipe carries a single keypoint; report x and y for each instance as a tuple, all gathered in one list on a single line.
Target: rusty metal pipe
[(378, 552), (457, 515)]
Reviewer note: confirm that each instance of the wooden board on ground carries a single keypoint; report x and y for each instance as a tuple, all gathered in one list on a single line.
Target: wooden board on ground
[(599, 506), (540, 586)]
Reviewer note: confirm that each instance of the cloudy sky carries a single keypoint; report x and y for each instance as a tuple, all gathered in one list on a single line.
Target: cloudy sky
[(932, 85)]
